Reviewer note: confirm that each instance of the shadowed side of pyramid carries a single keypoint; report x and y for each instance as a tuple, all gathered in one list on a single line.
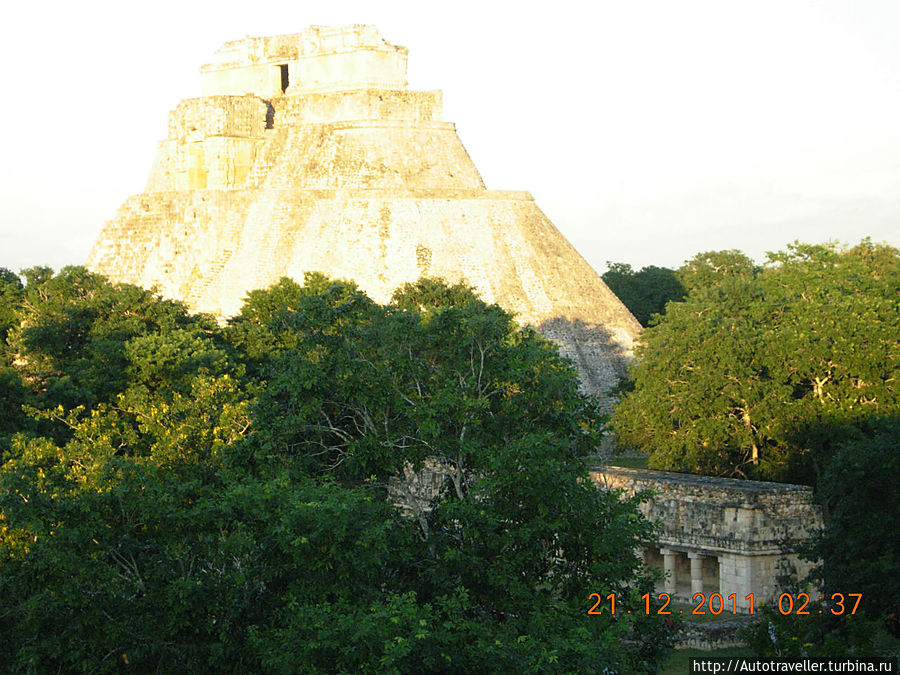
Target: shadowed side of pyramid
[(309, 154)]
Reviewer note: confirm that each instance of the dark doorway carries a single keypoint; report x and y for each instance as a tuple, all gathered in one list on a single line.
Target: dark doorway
[(285, 80)]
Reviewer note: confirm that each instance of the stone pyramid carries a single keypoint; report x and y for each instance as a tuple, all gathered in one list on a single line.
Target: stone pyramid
[(307, 152)]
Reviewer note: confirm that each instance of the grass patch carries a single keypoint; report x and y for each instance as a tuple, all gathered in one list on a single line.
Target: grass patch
[(629, 462)]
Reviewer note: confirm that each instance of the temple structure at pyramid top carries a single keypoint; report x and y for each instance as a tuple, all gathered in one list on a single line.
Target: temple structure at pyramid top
[(320, 59), (307, 152)]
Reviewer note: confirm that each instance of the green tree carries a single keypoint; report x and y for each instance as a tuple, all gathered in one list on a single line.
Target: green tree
[(711, 267), (760, 375), (858, 549), (257, 333), (644, 293), (441, 388), (861, 481), (117, 545), (74, 328), (225, 499), (11, 292), (12, 389), (13, 395)]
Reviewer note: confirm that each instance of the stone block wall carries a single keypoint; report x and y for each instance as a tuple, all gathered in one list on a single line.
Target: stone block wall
[(212, 144), (264, 80), (721, 535), (251, 66), (722, 513), (349, 57), (318, 59), (716, 635), (251, 50), (374, 155), (360, 104), (236, 116), (370, 68)]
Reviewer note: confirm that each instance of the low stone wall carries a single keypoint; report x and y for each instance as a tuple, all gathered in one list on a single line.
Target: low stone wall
[(714, 635)]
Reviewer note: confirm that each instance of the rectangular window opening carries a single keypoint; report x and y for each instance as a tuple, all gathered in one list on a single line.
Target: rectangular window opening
[(285, 80)]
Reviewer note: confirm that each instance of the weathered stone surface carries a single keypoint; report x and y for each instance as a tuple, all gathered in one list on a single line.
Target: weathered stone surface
[(307, 152), (722, 535), (715, 635), (721, 514)]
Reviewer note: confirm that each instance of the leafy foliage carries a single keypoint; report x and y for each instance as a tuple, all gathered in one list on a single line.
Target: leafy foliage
[(644, 293), (862, 479), (858, 550), (819, 635), (710, 268), (186, 498), (11, 292), (762, 374), (73, 330)]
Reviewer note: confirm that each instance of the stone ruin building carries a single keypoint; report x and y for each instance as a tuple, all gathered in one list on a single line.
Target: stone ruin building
[(307, 152), (722, 535)]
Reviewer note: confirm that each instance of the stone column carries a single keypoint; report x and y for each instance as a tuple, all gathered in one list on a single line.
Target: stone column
[(669, 567), (736, 576), (696, 572)]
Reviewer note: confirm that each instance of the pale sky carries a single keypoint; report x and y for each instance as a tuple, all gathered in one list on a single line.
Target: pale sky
[(647, 131)]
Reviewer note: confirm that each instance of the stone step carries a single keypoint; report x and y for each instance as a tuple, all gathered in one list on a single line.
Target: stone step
[(208, 276)]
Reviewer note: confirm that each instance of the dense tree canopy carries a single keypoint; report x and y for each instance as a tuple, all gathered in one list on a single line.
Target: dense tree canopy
[(760, 373), (644, 293), (11, 292), (711, 267), (859, 549), (188, 498), (860, 484)]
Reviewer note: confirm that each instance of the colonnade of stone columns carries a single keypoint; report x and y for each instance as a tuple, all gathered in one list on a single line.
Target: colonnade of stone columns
[(736, 574), (733, 541), (670, 566)]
